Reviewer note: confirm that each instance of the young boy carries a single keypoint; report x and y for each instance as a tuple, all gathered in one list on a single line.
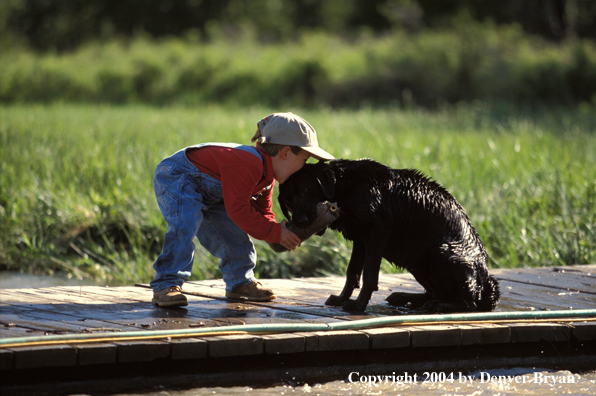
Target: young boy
[(222, 193)]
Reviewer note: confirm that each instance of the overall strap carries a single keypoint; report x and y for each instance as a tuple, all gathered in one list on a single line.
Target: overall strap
[(249, 149)]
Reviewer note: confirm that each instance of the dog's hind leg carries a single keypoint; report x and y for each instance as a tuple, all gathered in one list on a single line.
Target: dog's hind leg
[(437, 306), (410, 300), (352, 276)]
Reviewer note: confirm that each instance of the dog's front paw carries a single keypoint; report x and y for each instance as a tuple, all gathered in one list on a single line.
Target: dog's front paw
[(335, 301), (354, 306)]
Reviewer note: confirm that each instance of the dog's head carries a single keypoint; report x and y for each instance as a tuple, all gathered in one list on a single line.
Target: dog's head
[(301, 192)]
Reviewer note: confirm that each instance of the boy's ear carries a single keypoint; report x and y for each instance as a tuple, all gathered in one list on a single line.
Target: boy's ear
[(285, 150), (326, 178)]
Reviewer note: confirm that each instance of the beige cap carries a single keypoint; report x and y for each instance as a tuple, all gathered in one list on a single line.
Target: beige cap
[(290, 130)]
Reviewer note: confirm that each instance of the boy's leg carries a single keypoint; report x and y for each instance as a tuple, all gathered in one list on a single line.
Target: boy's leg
[(181, 206), (237, 254)]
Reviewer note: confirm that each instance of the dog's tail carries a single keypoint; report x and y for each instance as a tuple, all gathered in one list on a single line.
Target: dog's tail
[(490, 295)]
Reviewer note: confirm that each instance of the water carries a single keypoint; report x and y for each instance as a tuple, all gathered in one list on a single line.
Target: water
[(17, 280), (515, 381)]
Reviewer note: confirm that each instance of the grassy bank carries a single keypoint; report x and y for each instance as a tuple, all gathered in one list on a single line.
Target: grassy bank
[(76, 181)]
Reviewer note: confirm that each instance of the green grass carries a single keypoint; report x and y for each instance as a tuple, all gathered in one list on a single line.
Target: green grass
[(76, 181)]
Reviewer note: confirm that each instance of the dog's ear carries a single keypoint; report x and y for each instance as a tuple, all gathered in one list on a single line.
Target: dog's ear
[(286, 212), (326, 178), (284, 208)]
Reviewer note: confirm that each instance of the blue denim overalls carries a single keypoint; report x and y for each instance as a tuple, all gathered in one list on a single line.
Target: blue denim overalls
[(192, 204)]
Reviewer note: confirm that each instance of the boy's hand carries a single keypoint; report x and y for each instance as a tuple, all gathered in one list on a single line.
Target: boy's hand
[(289, 240)]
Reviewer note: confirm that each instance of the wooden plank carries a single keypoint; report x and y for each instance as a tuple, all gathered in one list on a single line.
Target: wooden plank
[(14, 330), (188, 348), (235, 345), (31, 318), (35, 322), (91, 308), (584, 331), (57, 322), (341, 340), (306, 295), (536, 332), (100, 353), (512, 294), (142, 351), (44, 356), (388, 337), (106, 305), (276, 344), (317, 290), (516, 296), (6, 359), (555, 278), (61, 294), (227, 312), (83, 324), (120, 294), (26, 300), (293, 301), (60, 297), (435, 336), (588, 270), (286, 289), (485, 334), (266, 312), (584, 269)]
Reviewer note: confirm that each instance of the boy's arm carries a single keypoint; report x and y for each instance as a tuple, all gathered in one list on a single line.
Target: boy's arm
[(263, 204), (237, 185), (288, 239)]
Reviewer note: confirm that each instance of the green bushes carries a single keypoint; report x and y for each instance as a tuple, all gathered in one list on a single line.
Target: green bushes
[(471, 62)]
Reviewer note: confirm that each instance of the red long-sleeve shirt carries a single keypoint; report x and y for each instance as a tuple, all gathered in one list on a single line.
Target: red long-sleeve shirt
[(247, 187)]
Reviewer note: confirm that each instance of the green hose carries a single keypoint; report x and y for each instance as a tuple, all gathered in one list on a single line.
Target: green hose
[(297, 327)]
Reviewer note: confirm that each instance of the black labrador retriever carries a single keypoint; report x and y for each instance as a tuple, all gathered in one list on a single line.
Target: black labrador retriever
[(404, 217)]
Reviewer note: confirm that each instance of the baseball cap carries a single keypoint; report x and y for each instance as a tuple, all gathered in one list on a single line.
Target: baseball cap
[(288, 129)]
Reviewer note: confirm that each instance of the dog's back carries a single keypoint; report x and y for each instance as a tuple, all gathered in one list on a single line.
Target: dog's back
[(431, 232), (404, 200)]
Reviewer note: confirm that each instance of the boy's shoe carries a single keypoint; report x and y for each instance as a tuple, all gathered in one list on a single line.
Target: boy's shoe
[(170, 297), (252, 292)]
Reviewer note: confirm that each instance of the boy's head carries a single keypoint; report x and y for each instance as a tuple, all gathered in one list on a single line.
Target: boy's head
[(279, 130)]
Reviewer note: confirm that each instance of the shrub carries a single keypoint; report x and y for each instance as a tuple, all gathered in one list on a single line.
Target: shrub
[(471, 62)]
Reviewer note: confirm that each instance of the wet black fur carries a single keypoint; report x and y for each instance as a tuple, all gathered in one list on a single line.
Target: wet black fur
[(404, 217)]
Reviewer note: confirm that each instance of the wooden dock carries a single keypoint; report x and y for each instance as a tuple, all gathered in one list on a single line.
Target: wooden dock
[(294, 357)]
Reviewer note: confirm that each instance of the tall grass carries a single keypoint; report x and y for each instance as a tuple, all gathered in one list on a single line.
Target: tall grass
[(76, 181)]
